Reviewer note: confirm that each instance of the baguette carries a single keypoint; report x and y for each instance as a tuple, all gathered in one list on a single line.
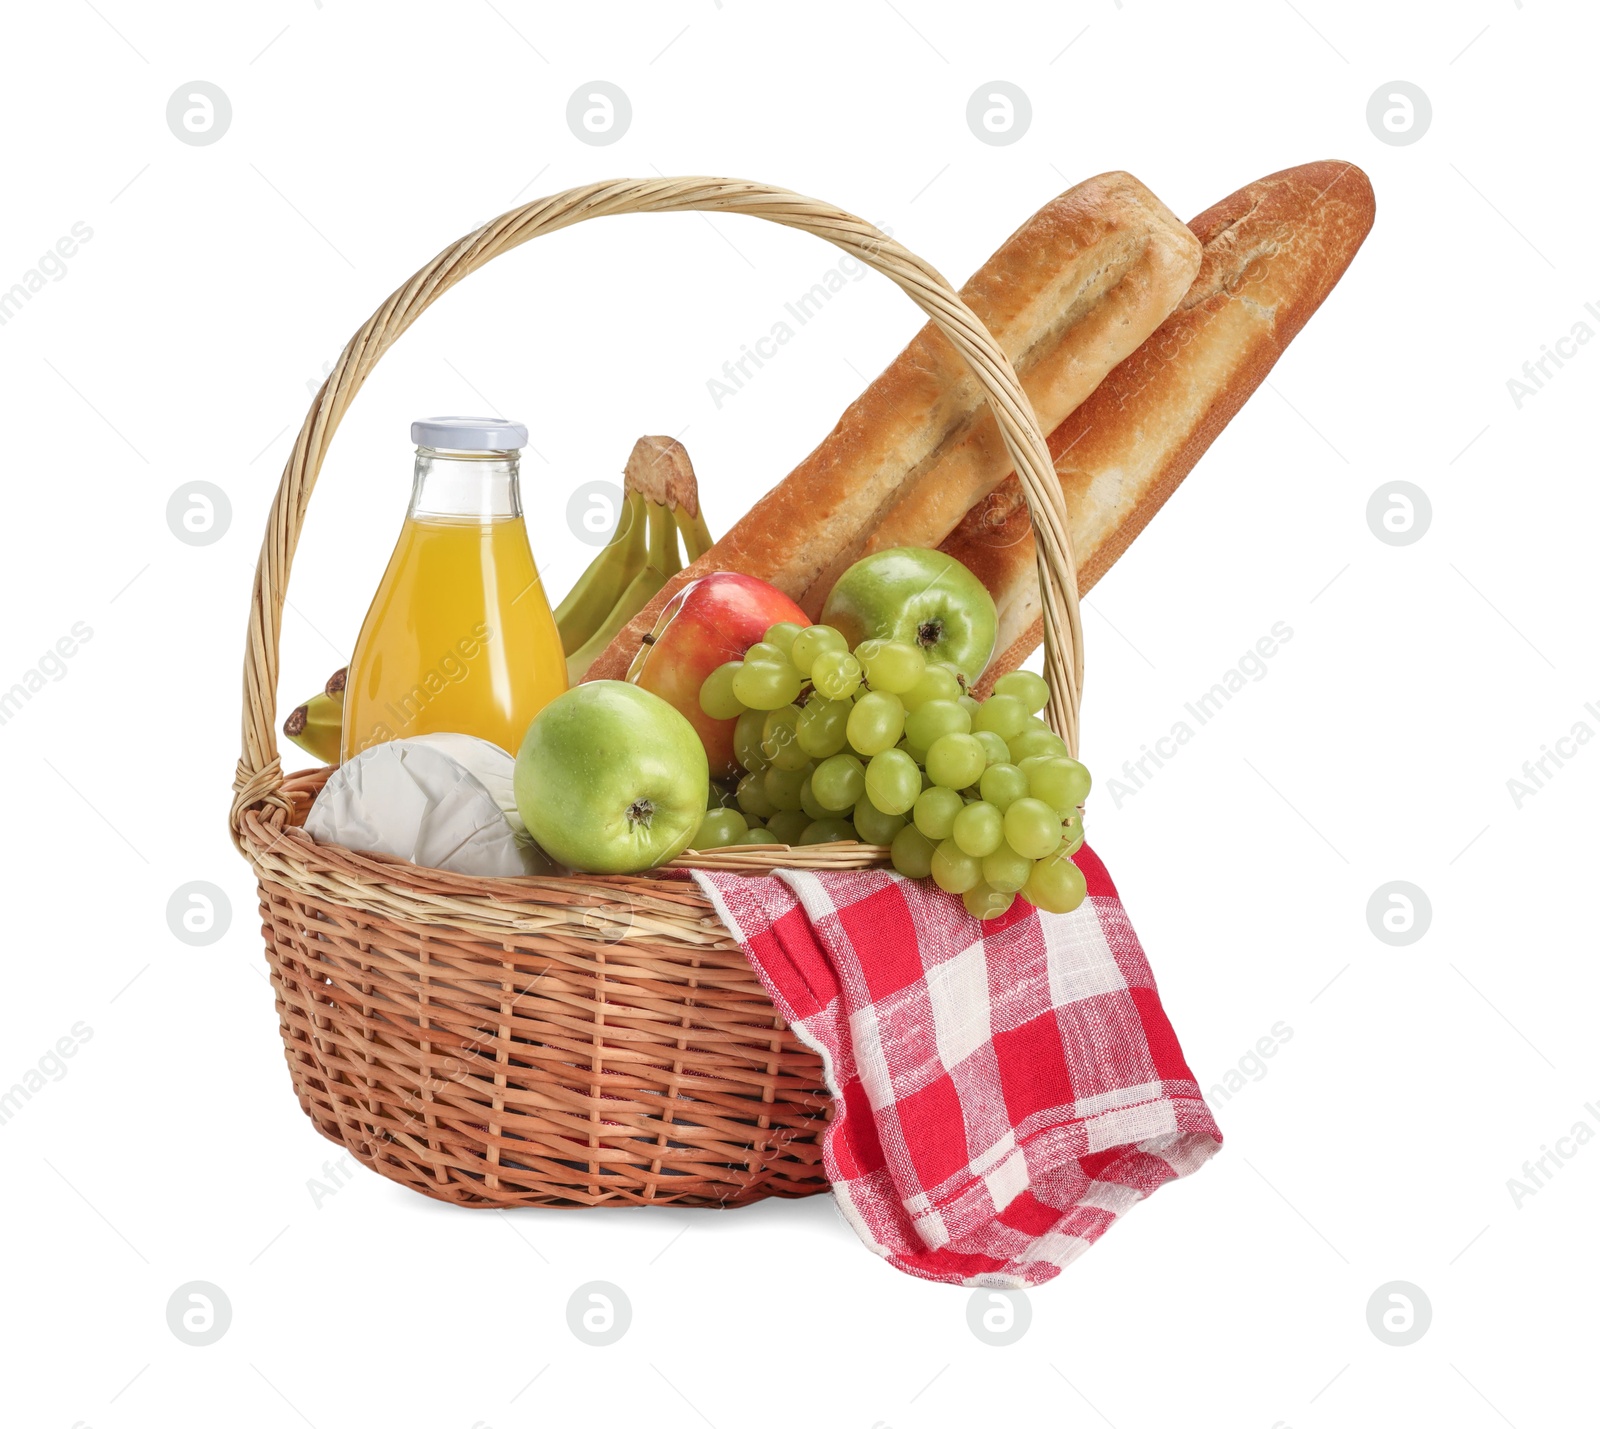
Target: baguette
[(1069, 295), (1272, 253)]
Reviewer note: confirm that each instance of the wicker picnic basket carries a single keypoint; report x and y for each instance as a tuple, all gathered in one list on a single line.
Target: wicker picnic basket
[(586, 1040)]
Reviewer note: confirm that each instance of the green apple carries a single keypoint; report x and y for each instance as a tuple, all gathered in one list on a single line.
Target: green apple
[(611, 779), (925, 598)]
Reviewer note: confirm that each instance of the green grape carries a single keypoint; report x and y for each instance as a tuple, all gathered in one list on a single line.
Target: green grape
[(876, 723), (781, 635), (1026, 686), (764, 653), (839, 781), (994, 748), (953, 870), (935, 812), (810, 804), (912, 852), (1032, 742), (1006, 870), (1004, 714), (782, 719), (1056, 884), (1072, 840), (789, 754), (891, 665), (893, 781), (984, 902), (821, 727), (935, 683), (758, 836), (979, 829), (720, 828), (778, 741), (1033, 828), (788, 824), (811, 642), (1002, 785), (782, 787), (717, 698), (1061, 782), (955, 761), (829, 831), (747, 741), (753, 799), (873, 826), (935, 719), (970, 705), (761, 685), (836, 674)]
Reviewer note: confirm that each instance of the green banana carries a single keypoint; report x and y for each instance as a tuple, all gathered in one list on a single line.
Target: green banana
[(664, 553), (316, 725), (697, 539), (661, 561), (642, 589), (596, 591), (663, 505)]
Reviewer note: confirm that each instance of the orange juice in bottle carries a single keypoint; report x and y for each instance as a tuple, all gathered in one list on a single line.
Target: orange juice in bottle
[(460, 636)]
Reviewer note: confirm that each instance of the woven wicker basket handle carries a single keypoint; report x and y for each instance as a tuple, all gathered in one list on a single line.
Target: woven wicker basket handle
[(259, 777)]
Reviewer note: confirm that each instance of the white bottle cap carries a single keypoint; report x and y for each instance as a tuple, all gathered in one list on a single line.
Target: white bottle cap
[(470, 434)]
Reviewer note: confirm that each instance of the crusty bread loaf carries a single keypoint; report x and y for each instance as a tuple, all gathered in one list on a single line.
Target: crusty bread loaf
[(1272, 253), (1069, 295)]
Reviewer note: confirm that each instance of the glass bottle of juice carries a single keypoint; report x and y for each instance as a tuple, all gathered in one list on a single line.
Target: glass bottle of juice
[(460, 636)]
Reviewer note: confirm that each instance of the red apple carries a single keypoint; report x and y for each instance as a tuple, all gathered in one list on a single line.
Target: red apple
[(709, 622)]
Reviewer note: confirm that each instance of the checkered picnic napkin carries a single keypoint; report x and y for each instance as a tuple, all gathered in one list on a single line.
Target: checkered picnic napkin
[(1003, 1091)]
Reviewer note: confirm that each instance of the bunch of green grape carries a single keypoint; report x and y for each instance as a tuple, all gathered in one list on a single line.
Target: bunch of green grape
[(878, 746)]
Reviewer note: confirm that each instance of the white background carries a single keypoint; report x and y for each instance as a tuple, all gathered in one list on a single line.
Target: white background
[(1378, 1141)]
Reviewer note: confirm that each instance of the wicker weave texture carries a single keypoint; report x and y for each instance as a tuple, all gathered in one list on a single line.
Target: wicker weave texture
[(568, 1070)]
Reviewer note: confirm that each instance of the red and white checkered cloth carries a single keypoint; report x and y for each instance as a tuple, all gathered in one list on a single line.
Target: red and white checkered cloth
[(1003, 1091)]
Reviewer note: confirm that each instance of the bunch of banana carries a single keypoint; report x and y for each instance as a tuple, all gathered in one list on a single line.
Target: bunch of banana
[(662, 503), (315, 726)]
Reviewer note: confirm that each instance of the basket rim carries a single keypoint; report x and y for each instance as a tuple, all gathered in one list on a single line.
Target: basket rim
[(659, 903)]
